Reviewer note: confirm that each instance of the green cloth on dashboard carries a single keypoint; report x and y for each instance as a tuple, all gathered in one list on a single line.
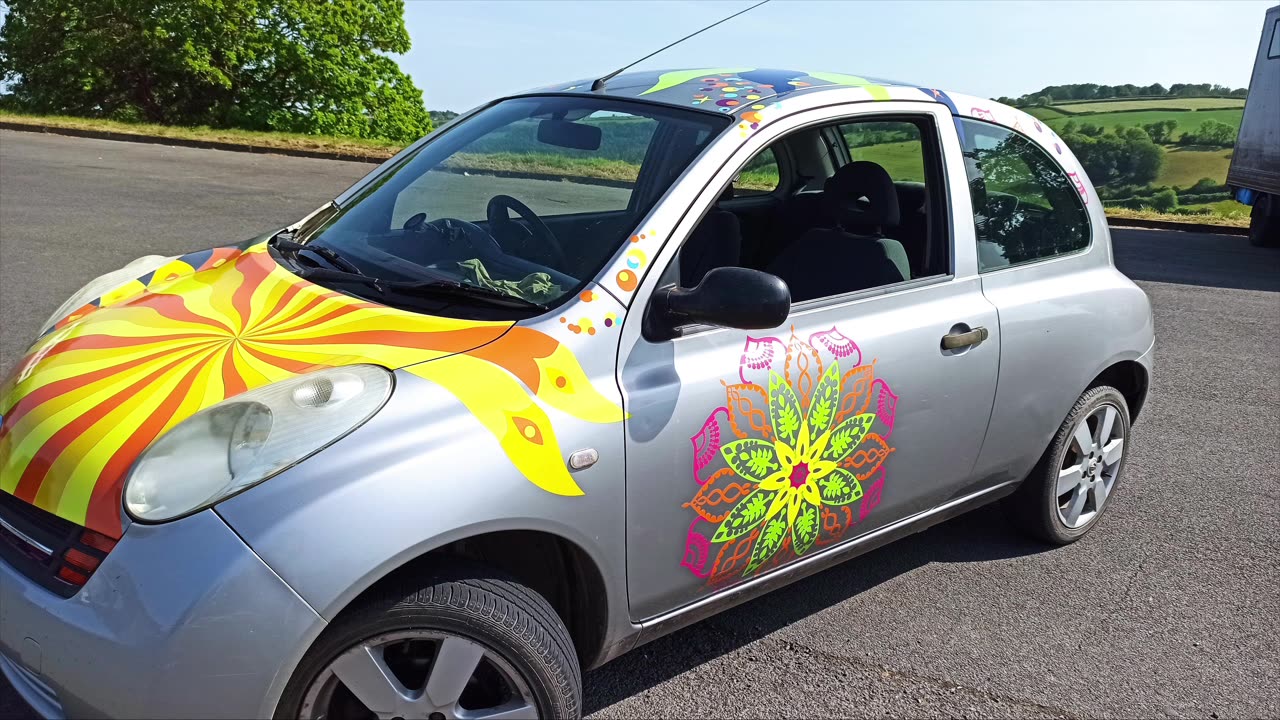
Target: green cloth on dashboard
[(535, 287)]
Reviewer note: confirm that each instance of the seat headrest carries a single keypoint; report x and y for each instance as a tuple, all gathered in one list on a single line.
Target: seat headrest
[(844, 191)]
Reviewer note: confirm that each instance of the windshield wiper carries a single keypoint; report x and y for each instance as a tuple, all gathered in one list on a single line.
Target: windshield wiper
[(443, 286), (287, 244)]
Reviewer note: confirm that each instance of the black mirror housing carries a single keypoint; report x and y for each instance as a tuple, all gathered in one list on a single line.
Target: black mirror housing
[(730, 297)]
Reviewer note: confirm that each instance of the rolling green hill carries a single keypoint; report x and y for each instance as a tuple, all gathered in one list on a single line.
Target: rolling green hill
[(1187, 120), (1104, 106), (1183, 165)]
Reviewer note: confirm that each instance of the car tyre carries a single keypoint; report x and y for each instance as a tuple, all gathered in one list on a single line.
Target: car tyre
[(1065, 495), (476, 610), (1264, 222)]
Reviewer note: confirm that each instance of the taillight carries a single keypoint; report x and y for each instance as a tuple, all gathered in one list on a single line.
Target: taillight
[(81, 560)]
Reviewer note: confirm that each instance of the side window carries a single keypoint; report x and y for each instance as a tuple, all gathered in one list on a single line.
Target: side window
[(893, 145), (1025, 208), (759, 176), (877, 220)]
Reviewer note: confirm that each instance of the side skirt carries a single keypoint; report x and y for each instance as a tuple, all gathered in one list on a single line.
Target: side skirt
[(694, 612)]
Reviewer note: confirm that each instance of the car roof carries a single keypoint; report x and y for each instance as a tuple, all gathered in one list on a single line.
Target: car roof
[(744, 92), (728, 90)]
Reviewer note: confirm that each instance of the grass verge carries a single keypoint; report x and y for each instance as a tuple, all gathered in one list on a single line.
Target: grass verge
[(1233, 220), (358, 147)]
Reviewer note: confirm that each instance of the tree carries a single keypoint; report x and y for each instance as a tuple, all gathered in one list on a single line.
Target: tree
[(1211, 132), (291, 65), (1162, 131), (1164, 201), (1123, 157)]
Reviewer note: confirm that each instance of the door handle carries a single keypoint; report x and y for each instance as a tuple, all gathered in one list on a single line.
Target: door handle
[(958, 340)]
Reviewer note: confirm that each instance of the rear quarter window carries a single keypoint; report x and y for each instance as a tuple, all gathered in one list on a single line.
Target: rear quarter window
[(1025, 207)]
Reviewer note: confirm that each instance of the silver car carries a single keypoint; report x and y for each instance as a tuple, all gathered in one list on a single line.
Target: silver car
[(576, 370)]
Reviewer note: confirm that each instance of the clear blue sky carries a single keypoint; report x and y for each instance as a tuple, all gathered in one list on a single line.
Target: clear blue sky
[(467, 52)]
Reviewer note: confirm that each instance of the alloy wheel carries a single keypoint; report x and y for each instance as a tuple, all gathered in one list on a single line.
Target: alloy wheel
[(419, 675), (1090, 466)]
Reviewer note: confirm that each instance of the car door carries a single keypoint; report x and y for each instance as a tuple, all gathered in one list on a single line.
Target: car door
[(725, 426)]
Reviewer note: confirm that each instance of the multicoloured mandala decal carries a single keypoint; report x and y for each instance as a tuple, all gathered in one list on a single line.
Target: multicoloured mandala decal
[(93, 393), (807, 434)]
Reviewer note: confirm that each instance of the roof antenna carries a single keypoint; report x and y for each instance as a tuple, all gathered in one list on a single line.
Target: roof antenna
[(600, 82)]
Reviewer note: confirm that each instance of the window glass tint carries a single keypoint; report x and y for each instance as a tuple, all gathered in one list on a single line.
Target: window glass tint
[(1025, 208), (1274, 50), (759, 176), (895, 146)]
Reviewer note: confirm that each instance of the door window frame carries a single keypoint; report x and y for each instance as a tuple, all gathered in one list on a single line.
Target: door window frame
[(958, 236)]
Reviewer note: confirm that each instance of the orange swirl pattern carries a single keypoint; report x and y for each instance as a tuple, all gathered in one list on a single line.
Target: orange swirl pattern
[(92, 394)]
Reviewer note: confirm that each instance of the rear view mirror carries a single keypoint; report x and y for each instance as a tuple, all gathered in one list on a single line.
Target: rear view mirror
[(563, 133), (731, 297)]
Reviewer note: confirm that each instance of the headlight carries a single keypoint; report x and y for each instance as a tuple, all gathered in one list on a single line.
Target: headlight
[(105, 283), (243, 440)]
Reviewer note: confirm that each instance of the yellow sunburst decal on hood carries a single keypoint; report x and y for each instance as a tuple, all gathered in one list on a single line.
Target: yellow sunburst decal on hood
[(91, 395)]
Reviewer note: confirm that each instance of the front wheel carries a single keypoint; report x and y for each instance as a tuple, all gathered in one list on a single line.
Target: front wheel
[(1076, 477), (462, 643)]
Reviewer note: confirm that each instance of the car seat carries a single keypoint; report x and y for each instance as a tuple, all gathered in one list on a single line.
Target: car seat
[(853, 255)]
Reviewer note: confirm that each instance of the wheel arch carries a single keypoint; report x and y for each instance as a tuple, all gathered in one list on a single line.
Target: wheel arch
[(1131, 379), (552, 565)]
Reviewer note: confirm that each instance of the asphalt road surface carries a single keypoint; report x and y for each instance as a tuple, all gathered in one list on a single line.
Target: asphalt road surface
[(1169, 608)]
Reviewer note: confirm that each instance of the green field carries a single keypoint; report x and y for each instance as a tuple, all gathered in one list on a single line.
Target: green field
[(1109, 106), (1135, 118), (1184, 166), (1045, 113)]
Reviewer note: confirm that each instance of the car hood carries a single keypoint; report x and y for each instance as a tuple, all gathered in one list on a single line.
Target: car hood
[(116, 373)]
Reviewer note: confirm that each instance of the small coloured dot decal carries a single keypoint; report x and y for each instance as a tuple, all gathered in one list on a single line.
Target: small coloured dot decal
[(626, 280)]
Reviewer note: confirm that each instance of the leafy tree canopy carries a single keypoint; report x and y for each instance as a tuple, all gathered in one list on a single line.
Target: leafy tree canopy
[(1124, 156), (1091, 91), (289, 65)]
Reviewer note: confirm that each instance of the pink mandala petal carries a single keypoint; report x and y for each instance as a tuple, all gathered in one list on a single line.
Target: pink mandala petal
[(758, 356), (706, 444), (872, 497), (886, 406), (697, 550), (834, 342)]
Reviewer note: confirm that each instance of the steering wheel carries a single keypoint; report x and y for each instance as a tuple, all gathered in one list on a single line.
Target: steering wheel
[(453, 231), (497, 214)]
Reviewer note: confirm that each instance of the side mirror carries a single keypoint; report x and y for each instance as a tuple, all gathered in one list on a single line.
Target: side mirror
[(731, 297)]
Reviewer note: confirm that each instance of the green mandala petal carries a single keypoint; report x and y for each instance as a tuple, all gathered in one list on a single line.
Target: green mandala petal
[(846, 436), (840, 487), (748, 513), (753, 459), (767, 544), (784, 410), (804, 531), (825, 402)]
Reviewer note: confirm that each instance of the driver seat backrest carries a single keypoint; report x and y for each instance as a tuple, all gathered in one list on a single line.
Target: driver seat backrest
[(716, 242), (854, 255)]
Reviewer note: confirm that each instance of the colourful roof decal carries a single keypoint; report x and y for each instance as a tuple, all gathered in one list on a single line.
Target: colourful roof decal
[(679, 77)]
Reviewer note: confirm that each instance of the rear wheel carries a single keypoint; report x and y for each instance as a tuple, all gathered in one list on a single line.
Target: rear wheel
[(466, 643), (1073, 483), (1264, 223)]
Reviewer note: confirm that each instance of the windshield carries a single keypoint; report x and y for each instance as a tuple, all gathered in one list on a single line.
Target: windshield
[(527, 198)]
